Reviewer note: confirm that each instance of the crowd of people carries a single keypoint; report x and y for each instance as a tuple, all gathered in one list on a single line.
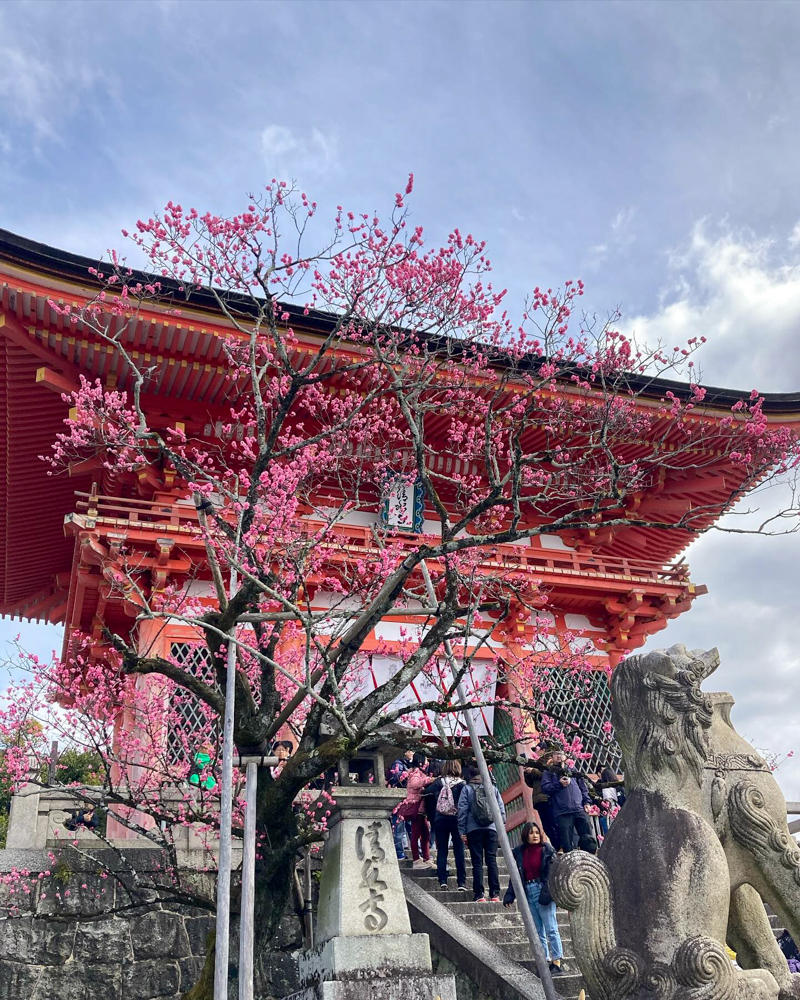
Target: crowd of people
[(448, 802), (567, 802), (447, 805)]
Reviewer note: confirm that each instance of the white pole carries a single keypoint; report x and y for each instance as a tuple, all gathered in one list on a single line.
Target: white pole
[(246, 921), (497, 816), (222, 944)]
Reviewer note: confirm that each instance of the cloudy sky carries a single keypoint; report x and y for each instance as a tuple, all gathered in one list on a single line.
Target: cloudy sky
[(648, 148)]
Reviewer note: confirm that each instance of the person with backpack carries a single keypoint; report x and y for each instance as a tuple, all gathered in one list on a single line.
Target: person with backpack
[(478, 831), (534, 857), (412, 809), (444, 794)]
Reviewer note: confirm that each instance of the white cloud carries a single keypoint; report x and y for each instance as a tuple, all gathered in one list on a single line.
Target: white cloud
[(37, 90), (621, 232), (618, 241), (740, 291), (288, 154), (749, 614), (517, 214)]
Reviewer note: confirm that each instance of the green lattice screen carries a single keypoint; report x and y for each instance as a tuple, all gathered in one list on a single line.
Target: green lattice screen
[(505, 775), (585, 701)]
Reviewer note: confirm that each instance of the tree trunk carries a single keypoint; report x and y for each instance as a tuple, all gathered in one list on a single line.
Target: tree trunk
[(276, 831)]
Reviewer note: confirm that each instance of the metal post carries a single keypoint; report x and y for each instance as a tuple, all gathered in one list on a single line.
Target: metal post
[(246, 921), (222, 945), (497, 816), (308, 905)]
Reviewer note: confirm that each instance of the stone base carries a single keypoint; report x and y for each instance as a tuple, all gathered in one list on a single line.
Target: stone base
[(372, 958), (395, 988)]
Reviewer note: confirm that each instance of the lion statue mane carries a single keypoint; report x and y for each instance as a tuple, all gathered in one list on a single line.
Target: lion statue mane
[(701, 844)]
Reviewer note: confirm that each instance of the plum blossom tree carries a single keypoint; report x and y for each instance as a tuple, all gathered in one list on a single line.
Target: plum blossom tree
[(419, 383)]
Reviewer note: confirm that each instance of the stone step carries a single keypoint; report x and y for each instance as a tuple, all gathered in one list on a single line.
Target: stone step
[(504, 935), (569, 984), (489, 930), (520, 951), (514, 942), (407, 868)]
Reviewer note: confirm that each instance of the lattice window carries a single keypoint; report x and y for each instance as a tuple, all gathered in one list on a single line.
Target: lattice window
[(505, 774), (196, 660), (585, 700)]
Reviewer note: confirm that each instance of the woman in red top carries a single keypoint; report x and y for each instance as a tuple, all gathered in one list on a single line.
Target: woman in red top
[(534, 857), (412, 809)]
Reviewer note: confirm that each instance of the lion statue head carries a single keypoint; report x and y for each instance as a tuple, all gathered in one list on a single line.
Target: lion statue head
[(661, 717)]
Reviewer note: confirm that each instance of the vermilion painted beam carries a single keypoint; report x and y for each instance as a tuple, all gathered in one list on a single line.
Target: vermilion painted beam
[(52, 380)]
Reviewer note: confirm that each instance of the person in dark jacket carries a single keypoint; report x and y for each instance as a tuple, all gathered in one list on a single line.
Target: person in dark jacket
[(480, 838), (569, 799), (397, 778), (445, 824), (533, 776), (534, 858)]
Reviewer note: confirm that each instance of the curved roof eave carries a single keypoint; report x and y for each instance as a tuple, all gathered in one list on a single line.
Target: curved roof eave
[(70, 267)]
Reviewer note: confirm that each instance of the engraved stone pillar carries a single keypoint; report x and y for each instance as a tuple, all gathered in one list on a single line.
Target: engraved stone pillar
[(365, 948), (360, 891)]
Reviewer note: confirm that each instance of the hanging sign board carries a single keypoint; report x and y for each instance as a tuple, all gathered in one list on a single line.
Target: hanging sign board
[(403, 508)]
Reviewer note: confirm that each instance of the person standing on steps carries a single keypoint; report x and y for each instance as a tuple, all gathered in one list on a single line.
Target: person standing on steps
[(443, 794), (396, 778), (534, 857), (413, 809), (533, 776), (569, 798), (480, 834)]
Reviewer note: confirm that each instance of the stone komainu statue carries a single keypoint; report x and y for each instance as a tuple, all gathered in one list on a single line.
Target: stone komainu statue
[(702, 834)]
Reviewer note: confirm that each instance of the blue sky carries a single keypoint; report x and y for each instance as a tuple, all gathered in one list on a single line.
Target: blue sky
[(648, 148)]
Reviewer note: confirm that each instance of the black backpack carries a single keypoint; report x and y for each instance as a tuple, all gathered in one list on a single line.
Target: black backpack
[(480, 808)]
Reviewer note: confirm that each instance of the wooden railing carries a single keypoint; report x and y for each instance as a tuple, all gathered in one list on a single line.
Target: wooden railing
[(353, 539)]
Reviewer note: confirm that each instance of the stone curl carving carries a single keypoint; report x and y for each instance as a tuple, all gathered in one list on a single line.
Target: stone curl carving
[(704, 823)]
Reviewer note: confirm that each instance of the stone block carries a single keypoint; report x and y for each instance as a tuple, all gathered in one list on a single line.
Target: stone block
[(159, 935), (289, 934), (14, 899), (148, 980), (69, 897), (17, 981), (37, 942), (198, 929), (190, 970), (279, 973), (103, 942), (360, 890), (386, 955), (77, 982), (23, 819), (396, 988)]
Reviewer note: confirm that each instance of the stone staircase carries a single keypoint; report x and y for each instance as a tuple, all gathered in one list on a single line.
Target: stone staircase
[(501, 927)]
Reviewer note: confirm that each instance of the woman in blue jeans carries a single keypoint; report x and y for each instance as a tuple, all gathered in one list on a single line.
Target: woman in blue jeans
[(534, 857)]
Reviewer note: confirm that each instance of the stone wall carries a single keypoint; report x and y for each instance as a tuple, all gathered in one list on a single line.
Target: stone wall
[(55, 946), (49, 949), (466, 988)]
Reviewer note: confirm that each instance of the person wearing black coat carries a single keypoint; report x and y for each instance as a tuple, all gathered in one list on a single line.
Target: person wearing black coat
[(533, 776), (534, 858)]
